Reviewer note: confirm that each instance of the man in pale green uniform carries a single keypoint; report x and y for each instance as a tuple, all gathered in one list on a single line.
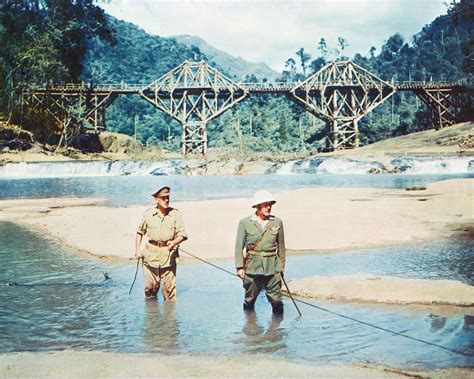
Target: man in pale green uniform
[(164, 231), (260, 253)]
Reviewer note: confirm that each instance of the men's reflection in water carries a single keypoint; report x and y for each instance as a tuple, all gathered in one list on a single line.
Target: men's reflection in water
[(260, 340), (161, 329)]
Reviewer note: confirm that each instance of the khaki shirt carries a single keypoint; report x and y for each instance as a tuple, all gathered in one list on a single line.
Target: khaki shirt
[(161, 229), (264, 247)]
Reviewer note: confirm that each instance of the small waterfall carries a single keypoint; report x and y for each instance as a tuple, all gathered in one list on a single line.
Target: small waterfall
[(347, 166), (286, 168), (331, 165), (407, 165), (319, 165), (434, 165), (86, 168)]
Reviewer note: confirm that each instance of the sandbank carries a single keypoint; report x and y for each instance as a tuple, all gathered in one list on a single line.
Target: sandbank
[(71, 364), (315, 219), (384, 289)]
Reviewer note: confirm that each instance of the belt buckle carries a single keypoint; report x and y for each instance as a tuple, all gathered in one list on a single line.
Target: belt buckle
[(158, 243)]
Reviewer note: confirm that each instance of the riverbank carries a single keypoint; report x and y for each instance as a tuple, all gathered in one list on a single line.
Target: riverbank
[(69, 364), (455, 141)]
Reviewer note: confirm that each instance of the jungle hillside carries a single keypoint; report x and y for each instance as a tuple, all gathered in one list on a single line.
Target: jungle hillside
[(60, 42)]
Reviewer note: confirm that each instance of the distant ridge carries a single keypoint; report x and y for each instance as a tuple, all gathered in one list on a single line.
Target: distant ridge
[(236, 66)]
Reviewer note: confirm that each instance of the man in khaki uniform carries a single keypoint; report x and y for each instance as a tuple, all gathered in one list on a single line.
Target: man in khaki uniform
[(164, 231), (260, 253)]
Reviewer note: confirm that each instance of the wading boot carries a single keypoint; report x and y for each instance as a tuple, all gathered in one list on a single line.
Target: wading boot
[(248, 307), (277, 307), (150, 293)]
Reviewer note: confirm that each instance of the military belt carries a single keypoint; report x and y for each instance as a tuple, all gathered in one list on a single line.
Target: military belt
[(263, 253), (158, 243)]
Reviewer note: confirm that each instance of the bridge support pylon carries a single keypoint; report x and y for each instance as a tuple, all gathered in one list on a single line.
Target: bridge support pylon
[(73, 108), (194, 138), (441, 102), (193, 94), (341, 93), (96, 104)]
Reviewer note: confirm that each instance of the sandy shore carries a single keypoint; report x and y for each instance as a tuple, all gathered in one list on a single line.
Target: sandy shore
[(315, 219), (69, 364), (384, 289)]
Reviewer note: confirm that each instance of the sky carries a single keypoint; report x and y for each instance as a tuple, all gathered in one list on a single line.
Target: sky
[(271, 31)]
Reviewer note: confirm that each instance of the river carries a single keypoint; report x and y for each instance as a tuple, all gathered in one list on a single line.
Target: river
[(54, 299)]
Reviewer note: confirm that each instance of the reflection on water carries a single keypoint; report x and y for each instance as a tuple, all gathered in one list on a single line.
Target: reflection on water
[(259, 339), (160, 330), (208, 317)]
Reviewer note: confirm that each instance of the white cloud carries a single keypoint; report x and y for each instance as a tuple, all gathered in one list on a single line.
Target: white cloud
[(272, 31)]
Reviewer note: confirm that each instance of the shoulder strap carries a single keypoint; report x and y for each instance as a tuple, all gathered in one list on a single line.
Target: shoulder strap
[(261, 236)]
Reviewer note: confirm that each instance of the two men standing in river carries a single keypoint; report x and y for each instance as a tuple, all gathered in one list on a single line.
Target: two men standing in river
[(259, 249)]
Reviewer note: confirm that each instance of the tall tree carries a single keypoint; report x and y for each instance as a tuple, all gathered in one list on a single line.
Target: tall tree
[(290, 66), (342, 43), (323, 48), (462, 13), (304, 58)]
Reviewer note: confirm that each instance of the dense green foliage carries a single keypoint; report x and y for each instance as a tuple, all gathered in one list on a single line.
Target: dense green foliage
[(71, 40), (44, 41)]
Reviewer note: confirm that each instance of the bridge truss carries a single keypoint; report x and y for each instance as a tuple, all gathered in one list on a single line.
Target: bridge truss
[(340, 93), (73, 108), (193, 94)]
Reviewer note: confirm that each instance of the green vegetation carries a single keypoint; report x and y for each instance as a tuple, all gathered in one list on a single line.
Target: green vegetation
[(64, 41), (45, 41)]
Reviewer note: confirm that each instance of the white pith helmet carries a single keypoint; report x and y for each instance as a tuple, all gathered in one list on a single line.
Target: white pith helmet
[(262, 196)]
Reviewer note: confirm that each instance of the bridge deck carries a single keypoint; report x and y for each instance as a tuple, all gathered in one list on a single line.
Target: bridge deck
[(262, 88)]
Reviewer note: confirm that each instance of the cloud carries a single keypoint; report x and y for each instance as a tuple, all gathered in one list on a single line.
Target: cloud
[(272, 31)]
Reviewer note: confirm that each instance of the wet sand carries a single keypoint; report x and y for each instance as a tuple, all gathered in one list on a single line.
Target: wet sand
[(384, 289), (71, 364)]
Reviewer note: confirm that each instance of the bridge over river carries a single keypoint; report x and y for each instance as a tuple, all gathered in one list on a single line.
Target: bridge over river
[(340, 93)]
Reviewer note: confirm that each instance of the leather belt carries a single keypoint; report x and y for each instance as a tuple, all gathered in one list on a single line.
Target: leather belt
[(158, 243), (263, 253)]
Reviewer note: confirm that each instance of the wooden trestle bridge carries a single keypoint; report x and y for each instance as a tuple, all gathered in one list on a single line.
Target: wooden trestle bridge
[(194, 93)]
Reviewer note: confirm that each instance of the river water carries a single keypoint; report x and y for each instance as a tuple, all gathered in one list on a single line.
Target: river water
[(57, 300), (127, 190), (53, 299)]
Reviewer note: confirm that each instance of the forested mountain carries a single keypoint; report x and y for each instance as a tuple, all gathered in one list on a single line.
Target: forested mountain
[(135, 56), (64, 41), (437, 52), (237, 67)]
